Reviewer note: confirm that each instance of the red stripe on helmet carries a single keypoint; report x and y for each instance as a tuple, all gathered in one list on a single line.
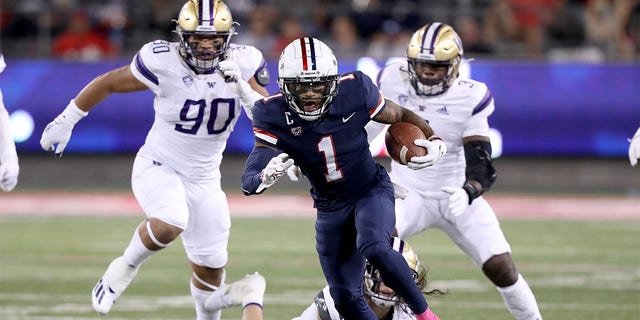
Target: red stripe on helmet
[(303, 47)]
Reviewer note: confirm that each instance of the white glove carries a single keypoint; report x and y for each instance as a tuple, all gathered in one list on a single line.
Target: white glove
[(399, 192), (59, 130), (458, 200), (634, 148), (274, 170), (233, 78), (435, 150), (9, 171), (294, 173)]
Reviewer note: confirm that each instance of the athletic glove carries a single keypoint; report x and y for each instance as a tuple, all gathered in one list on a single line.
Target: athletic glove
[(458, 201), (634, 148), (233, 77), (58, 131), (294, 173), (274, 170), (436, 148)]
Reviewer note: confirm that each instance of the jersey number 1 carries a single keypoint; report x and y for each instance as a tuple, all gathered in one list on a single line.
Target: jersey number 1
[(325, 146)]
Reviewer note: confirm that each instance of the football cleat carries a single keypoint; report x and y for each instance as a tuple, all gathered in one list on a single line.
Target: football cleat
[(249, 290), (112, 284)]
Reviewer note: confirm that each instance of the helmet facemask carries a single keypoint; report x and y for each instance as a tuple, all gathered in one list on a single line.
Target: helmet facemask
[(372, 279), (310, 98), (432, 86), (433, 46), (204, 29)]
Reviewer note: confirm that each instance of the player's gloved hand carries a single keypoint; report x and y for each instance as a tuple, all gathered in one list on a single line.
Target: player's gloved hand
[(436, 148), (634, 148), (399, 192), (275, 169), (458, 200), (58, 131), (233, 77), (294, 173), (9, 171)]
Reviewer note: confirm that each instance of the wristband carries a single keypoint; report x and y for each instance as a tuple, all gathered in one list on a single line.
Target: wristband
[(72, 114), (471, 191)]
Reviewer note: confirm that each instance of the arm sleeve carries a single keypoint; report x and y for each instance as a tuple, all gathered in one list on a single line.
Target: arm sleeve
[(257, 160)]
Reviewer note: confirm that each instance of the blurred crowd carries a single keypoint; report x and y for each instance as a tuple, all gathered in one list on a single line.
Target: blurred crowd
[(558, 30)]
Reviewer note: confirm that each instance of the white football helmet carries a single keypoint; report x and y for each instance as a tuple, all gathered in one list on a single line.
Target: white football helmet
[(372, 279), (435, 44), (308, 64), (200, 19)]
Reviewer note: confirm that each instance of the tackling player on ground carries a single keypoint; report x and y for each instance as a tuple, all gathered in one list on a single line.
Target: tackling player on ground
[(384, 302), (200, 84), (318, 121), (448, 195)]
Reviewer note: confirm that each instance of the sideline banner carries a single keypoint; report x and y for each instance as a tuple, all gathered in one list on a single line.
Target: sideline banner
[(542, 108)]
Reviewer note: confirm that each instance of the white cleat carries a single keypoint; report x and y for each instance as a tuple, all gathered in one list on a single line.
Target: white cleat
[(112, 284), (249, 290)]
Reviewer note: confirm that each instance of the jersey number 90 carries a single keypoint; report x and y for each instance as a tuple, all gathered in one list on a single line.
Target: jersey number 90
[(214, 120)]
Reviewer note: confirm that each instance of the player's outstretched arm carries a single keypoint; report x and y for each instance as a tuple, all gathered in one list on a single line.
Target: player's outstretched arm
[(263, 169), (57, 133)]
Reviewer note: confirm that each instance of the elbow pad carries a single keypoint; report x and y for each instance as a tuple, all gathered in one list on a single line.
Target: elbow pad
[(479, 167)]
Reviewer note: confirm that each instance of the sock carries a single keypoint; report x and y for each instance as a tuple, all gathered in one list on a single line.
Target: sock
[(200, 296), (136, 253), (520, 300)]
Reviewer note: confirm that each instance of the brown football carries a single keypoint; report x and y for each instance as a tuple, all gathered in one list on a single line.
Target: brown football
[(399, 142)]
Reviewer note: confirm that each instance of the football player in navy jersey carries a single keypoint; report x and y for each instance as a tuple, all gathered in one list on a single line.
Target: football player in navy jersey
[(201, 84), (318, 121)]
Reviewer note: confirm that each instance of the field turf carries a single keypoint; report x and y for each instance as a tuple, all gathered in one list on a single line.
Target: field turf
[(48, 264)]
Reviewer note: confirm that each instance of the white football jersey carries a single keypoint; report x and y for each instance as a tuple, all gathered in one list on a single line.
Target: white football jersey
[(2, 63), (194, 113), (459, 112), (323, 308)]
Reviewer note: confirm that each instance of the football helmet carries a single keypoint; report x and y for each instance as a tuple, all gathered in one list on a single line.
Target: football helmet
[(434, 45), (308, 64), (372, 279), (199, 20)]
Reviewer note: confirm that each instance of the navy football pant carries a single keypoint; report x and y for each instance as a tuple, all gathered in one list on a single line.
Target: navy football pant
[(363, 228)]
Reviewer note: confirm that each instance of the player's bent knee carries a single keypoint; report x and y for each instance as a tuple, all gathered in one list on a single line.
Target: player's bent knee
[(501, 270), (214, 260), (162, 232)]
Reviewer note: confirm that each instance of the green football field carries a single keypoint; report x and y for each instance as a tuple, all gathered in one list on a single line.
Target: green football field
[(577, 269)]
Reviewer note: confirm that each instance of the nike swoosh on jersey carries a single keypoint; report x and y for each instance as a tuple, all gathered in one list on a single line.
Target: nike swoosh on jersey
[(345, 119)]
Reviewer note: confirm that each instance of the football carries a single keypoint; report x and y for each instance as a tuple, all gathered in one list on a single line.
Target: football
[(399, 142)]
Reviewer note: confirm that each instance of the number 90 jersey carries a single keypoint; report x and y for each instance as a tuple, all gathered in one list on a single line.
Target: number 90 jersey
[(194, 113)]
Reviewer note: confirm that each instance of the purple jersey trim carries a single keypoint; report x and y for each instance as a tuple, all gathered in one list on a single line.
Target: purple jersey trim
[(145, 71), (483, 103)]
